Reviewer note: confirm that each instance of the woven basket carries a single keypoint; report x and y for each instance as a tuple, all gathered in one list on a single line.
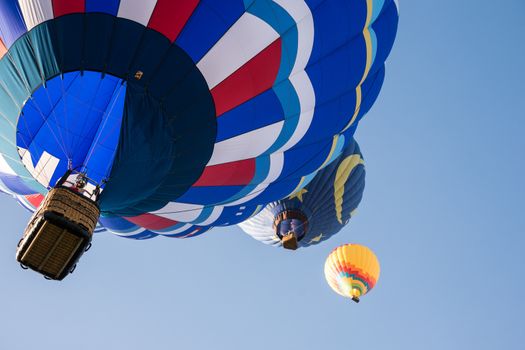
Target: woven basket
[(58, 233), (73, 206), (289, 241)]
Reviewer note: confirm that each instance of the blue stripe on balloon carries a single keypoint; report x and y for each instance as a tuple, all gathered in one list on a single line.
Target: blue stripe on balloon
[(142, 235), (104, 6), (117, 224), (217, 17), (209, 194), (292, 109), (377, 7), (264, 109), (305, 160), (174, 227), (234, 215)]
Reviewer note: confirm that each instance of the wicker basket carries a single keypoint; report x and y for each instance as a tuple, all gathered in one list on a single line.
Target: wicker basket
[(58, 234), (289, 241)]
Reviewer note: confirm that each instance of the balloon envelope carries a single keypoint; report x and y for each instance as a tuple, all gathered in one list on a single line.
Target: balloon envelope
[(319, 210), (179, 107), (352, 270)]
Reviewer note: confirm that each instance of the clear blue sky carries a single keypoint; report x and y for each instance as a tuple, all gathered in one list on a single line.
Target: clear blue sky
[(443, 209)]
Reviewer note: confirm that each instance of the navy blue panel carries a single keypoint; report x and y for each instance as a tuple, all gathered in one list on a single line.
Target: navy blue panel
[(97, 42), (105, 6), (166, 78), (170, 141), (70, 41), (217, 17), (125, 40), (12, 24), (149, 55)]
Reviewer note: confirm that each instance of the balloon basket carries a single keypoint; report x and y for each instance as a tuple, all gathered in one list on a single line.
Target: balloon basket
[(289, 241), (58, 233)]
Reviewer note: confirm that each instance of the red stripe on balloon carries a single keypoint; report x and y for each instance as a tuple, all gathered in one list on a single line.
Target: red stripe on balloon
[(34, 199), (228, 174), (360, 274), (65, 7), (151, 222), (3, 49), (169, 17), (255, 77)]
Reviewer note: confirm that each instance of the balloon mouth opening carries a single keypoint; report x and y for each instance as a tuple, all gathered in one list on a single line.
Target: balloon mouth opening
[(290, 227), (355, 294), (63, 122)]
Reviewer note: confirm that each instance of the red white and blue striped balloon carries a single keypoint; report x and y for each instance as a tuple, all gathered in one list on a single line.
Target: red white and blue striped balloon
[(187, 111)]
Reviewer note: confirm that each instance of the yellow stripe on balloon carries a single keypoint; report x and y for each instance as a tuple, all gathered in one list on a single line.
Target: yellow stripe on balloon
[(341, 177), (335, 141), (299, 187), (368, 40), (358, 100), (368, 66), (332, 150)]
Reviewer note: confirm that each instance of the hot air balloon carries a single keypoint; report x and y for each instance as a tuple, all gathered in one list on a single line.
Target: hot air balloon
[(352, 270), (165, 107), (316, 212)]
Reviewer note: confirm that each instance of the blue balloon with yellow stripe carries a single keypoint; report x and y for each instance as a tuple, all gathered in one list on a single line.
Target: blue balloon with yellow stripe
[(316, 212)]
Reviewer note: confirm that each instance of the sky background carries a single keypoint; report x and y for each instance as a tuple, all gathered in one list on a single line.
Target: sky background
[(443, 210)]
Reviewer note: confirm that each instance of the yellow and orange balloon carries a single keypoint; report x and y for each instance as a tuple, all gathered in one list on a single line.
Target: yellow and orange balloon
[(352, 270)]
